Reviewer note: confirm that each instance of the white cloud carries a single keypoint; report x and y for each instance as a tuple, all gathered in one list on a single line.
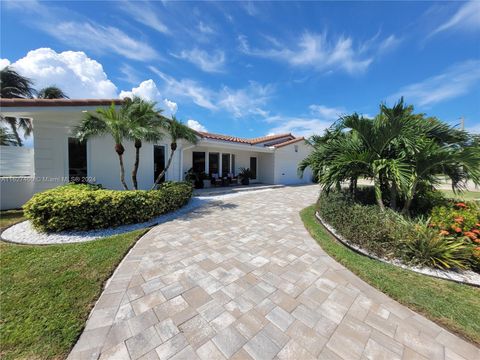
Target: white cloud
[(195, 125), (300, 126), (205, 29), (325, 112), (171, 106), (186, 88), (246, 101), (466, 18), (145, 14), (208, 62), (100, 38), (147, 90), (321, 53), (73, 71), (4, 63), (455, 81)]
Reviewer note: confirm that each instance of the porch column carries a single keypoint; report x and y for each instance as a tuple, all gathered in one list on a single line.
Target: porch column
[(220, 165), (207, 162)]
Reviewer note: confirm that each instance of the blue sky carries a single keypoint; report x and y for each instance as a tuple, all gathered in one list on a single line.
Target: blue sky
[(254, 68)]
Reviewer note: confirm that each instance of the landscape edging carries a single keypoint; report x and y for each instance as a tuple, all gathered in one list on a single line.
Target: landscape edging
[(468, 277)]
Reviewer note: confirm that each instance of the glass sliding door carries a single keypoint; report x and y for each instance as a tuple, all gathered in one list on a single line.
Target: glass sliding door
[(198, 162), (253, 167), (158, 161), (225, 164), (77, 161), (213, 163), (233, 164)]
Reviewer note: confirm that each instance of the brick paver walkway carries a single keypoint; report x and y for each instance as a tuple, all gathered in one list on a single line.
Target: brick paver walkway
[(242, 279)]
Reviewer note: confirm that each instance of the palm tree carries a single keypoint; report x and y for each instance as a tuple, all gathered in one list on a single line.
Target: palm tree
[(107, 121), (14, 85), (52, 92), (176, 130), (6, 138), (146, 123)]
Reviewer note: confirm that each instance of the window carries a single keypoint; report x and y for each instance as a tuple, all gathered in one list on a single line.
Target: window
[(158, 161), (198, 162), (225, 164), (253, 167), (77, 160), (213, 163), (233, 164), (296, 148)]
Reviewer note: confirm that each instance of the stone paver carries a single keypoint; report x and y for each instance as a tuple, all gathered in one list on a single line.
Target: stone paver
[(242, 279)]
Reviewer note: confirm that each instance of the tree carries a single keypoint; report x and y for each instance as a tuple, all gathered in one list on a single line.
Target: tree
[(6, 138), (398, 150), (107, 121), (52, 92), (146, 123), (176, 130), (14, 85)]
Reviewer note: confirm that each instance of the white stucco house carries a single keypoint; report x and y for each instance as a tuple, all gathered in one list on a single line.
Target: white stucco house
[(57, 156)]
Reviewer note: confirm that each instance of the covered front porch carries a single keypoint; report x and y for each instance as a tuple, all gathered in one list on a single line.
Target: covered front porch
[(221, 165)]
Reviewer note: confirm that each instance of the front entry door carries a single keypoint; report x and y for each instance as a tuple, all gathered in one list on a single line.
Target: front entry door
[(158, 161)]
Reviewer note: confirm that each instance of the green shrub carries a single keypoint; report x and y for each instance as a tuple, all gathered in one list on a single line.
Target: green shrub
[(425, 246), (363, 225), (389, 235), (87, 207)]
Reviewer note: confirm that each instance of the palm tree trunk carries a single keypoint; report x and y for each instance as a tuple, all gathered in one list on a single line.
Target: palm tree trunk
[(138, 145), (13, 125), (378, 193), (119, 149), (409, 200), (393, 196), (160, 176)]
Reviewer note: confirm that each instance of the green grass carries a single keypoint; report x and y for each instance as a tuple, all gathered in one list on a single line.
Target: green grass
[(454, 306), (467, 195), (10, 217), (47, 292)]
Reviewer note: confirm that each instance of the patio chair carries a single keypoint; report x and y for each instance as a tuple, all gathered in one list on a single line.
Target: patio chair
[(216, 181)]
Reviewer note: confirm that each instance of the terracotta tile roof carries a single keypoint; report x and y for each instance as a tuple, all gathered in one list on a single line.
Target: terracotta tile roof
[(253, 141), (57, 102), (289, 142)]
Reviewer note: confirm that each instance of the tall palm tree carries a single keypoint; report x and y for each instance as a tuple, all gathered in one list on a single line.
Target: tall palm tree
[(52, 92), (146, 123), (14, 85), (176, 130), (107, 121)]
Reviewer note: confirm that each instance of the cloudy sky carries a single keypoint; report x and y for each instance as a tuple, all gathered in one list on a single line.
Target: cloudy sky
[(254, 68)]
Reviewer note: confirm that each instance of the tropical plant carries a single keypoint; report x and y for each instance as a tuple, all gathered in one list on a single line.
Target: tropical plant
[(245, 175), (14, 85), (401, 152), (107, 121), (176, 130), (146, 123), (6, 137), (52, 92)]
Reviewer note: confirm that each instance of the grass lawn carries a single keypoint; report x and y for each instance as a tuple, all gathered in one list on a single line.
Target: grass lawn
[(10, 217), (452, 305), (467, 195), (46, 293)]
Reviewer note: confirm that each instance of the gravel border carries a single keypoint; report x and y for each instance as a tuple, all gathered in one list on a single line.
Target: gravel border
[(25, 233), (467, 277)]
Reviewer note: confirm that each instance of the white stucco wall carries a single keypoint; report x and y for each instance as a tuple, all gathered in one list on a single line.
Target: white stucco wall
[(286, 164)]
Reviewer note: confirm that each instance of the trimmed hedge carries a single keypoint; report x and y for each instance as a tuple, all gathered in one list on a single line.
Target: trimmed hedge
[(88, 207)]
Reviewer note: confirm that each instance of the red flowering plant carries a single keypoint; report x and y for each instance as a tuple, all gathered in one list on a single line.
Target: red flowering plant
[(460, 220)]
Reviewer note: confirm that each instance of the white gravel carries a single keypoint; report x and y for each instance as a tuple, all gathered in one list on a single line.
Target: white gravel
[(466, 277), (25, 233)]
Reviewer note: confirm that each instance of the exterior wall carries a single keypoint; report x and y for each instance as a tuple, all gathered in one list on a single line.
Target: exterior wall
[(266, 162), (286, 164), (16, 161)]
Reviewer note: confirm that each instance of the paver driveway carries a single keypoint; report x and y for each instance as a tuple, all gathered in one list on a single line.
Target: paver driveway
[(243, 279)]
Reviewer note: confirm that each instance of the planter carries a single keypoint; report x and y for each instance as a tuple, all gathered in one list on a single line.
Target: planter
[(207, 183), (245, 181)]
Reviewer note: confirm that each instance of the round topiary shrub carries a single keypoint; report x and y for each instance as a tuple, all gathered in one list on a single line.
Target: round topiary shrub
[(88, 207)]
